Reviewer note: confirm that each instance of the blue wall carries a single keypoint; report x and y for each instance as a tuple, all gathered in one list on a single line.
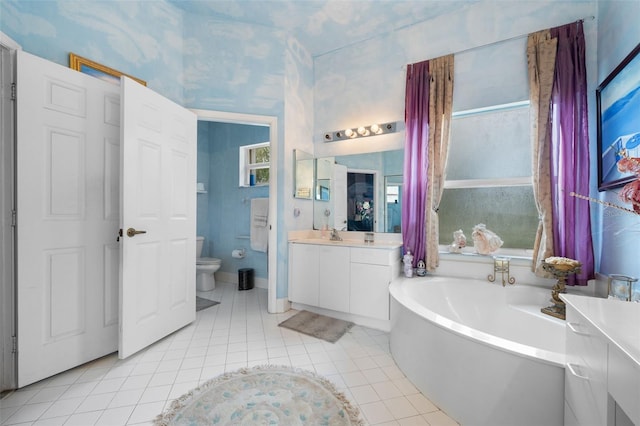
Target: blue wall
[(224, 211), (617, 236), (143, 39), (206, 63)]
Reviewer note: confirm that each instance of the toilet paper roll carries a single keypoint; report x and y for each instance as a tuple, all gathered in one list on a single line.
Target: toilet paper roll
[(238, 254)]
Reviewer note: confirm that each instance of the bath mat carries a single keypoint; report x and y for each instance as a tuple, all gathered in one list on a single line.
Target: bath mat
[(202, 303), (316, 325), (263, 395)]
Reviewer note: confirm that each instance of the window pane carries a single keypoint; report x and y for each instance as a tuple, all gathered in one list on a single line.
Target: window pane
[(510, 212), (259, 155), (262, 176), (492, 144)]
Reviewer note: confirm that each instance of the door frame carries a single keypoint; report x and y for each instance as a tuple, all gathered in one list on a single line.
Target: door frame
[(8, 364), (272, 122)]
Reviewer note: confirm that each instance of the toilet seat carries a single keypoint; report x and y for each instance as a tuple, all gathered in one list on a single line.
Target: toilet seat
[(207, 261)]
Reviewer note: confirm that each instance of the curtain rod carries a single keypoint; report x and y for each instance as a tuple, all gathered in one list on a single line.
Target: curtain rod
[(590, 18)]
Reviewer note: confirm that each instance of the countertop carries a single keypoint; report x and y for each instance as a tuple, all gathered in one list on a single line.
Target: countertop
[(617, 320), (348, 243)]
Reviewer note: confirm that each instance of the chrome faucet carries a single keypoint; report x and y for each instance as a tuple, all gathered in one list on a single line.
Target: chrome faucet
[(334, 235)]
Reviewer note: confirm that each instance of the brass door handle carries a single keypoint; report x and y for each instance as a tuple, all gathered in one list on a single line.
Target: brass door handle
[(132, 232)]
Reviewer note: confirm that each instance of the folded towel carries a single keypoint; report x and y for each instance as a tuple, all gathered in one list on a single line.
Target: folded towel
[(260, 220), (259, 235)]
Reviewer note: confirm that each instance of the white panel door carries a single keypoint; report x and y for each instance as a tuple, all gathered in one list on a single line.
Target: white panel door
[(158, 164), (339, 195), (67, 217)]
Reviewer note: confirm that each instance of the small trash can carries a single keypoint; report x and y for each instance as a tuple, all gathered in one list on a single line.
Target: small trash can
[(245, 279)]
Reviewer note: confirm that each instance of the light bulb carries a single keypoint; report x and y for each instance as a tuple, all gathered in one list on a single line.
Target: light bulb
[(375, 129), (362, 131), (349, 133)]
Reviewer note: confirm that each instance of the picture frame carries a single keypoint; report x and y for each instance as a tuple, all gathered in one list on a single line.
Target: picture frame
[(618, 109), (97, 70)]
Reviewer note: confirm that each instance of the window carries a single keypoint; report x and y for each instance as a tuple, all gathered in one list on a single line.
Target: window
[(254, 164), (489, 177)]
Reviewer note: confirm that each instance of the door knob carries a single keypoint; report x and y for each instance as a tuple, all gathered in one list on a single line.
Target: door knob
[(132, 232)]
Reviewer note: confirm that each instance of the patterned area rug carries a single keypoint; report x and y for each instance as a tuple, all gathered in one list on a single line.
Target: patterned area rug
[(202, 303), (316, 325), (266, 395)]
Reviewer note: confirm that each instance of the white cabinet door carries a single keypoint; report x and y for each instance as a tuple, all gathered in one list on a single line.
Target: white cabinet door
[(303, 273), (333, 292), (370, 290)]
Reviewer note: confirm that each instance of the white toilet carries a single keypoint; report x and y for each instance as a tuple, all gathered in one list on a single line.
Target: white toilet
[(205, 267)]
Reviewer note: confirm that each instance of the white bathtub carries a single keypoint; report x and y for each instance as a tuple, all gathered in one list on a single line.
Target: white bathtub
[(483, 353)]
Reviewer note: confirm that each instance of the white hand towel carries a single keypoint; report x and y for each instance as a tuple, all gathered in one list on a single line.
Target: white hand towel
[(259, 224)]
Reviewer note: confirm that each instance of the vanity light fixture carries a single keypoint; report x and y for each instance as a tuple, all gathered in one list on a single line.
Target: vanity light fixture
[(360, 132)]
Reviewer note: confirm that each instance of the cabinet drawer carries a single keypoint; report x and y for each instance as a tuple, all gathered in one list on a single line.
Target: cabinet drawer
[(585, 396), (585, 346), (586, 370), (374, 256)]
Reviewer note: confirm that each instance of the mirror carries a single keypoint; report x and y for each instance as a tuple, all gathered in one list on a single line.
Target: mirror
[(304, 169), (324, 170), (393, 197), (384, 200)]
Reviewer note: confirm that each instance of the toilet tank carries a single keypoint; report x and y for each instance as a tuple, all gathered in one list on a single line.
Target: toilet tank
[(199, 244)]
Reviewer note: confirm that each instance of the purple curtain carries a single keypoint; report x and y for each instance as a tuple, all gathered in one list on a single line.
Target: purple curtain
[(414, 193), (570, 152)]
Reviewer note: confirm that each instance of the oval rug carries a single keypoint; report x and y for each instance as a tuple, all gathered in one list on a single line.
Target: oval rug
[(264, 395)]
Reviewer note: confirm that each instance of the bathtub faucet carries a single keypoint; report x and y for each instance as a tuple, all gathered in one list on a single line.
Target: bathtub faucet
[(501, 264), (334, 235)]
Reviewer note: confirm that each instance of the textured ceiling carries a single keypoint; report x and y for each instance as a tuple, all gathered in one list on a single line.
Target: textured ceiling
[(326, 25)]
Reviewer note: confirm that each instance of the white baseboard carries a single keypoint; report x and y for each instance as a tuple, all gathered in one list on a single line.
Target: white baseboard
[(378, 324), (232, 278), (282, 305)]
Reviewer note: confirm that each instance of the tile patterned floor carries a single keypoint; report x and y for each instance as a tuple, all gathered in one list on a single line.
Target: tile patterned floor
[(236, 333)]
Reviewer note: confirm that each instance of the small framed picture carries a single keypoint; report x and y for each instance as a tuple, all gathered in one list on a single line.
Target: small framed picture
[(97, 70)]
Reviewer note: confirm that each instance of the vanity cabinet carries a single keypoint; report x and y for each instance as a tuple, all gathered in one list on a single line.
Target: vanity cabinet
[(602, 374), (319, 276), (372, 271), (585, 370), (333, 278), (343, 278), (303, 273)]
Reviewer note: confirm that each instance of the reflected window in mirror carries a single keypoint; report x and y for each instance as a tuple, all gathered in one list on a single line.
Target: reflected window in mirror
[(393, 197)]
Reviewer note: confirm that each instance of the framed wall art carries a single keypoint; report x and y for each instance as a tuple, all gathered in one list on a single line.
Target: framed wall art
[(618, 106), (97, 70)]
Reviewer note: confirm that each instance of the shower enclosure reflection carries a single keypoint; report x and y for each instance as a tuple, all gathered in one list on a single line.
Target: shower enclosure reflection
[(360, 201)]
